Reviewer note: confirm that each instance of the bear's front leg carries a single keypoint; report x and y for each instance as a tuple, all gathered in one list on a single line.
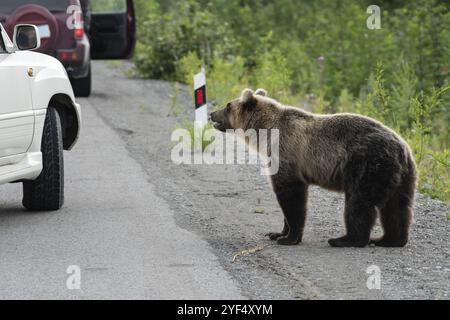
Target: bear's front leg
[(292, 197)]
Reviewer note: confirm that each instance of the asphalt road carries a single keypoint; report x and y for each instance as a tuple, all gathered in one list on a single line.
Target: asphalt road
[(120, 234), (139, 226)]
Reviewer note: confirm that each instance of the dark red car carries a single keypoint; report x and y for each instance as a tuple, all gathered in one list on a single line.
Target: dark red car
[(76, 31)]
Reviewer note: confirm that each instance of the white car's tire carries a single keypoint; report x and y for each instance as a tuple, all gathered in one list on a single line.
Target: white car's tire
[(46, 193)]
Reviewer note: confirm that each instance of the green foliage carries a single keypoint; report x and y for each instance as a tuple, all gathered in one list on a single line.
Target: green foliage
[(188, 66), (224, 80), (108, 6), (166, 37), (376, 100), (273, 73), (434, 172), (403, 87), (398, 74), (346, 102)]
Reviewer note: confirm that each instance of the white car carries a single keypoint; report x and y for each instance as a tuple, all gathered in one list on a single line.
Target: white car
[(38, 119)]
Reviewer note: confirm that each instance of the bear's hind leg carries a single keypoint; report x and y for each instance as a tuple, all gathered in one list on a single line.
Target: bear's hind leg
[(395, 220), (292, 198), (359, 219)]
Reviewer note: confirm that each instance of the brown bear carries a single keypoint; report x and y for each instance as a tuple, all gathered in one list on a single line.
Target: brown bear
[(343, 152)]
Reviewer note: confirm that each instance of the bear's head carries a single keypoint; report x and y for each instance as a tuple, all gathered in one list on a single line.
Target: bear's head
[(242, 113)]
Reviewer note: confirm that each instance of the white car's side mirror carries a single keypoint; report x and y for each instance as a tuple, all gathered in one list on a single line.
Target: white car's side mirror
[(26, 37)]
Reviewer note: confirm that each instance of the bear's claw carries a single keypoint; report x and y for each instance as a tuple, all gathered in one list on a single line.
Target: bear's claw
[(381, 242), (287, 241), (274, 235), (347, 242)]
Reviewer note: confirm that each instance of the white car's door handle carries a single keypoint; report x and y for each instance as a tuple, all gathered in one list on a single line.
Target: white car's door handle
[(30, 72)]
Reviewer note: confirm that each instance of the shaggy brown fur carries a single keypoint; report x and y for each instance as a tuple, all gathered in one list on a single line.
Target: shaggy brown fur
[(348, 153)]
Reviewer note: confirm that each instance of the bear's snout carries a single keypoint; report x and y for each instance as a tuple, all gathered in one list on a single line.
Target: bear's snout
[(212, 116), (217, 118)]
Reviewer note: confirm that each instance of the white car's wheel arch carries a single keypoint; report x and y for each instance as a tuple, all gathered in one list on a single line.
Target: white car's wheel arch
[(69, 113)]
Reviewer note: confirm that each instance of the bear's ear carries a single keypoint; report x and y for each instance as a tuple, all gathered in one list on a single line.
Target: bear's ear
[(247, 98), (261, 92)]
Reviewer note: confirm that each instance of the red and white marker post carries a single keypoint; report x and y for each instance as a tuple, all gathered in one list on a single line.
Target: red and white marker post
[(201, 107)]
